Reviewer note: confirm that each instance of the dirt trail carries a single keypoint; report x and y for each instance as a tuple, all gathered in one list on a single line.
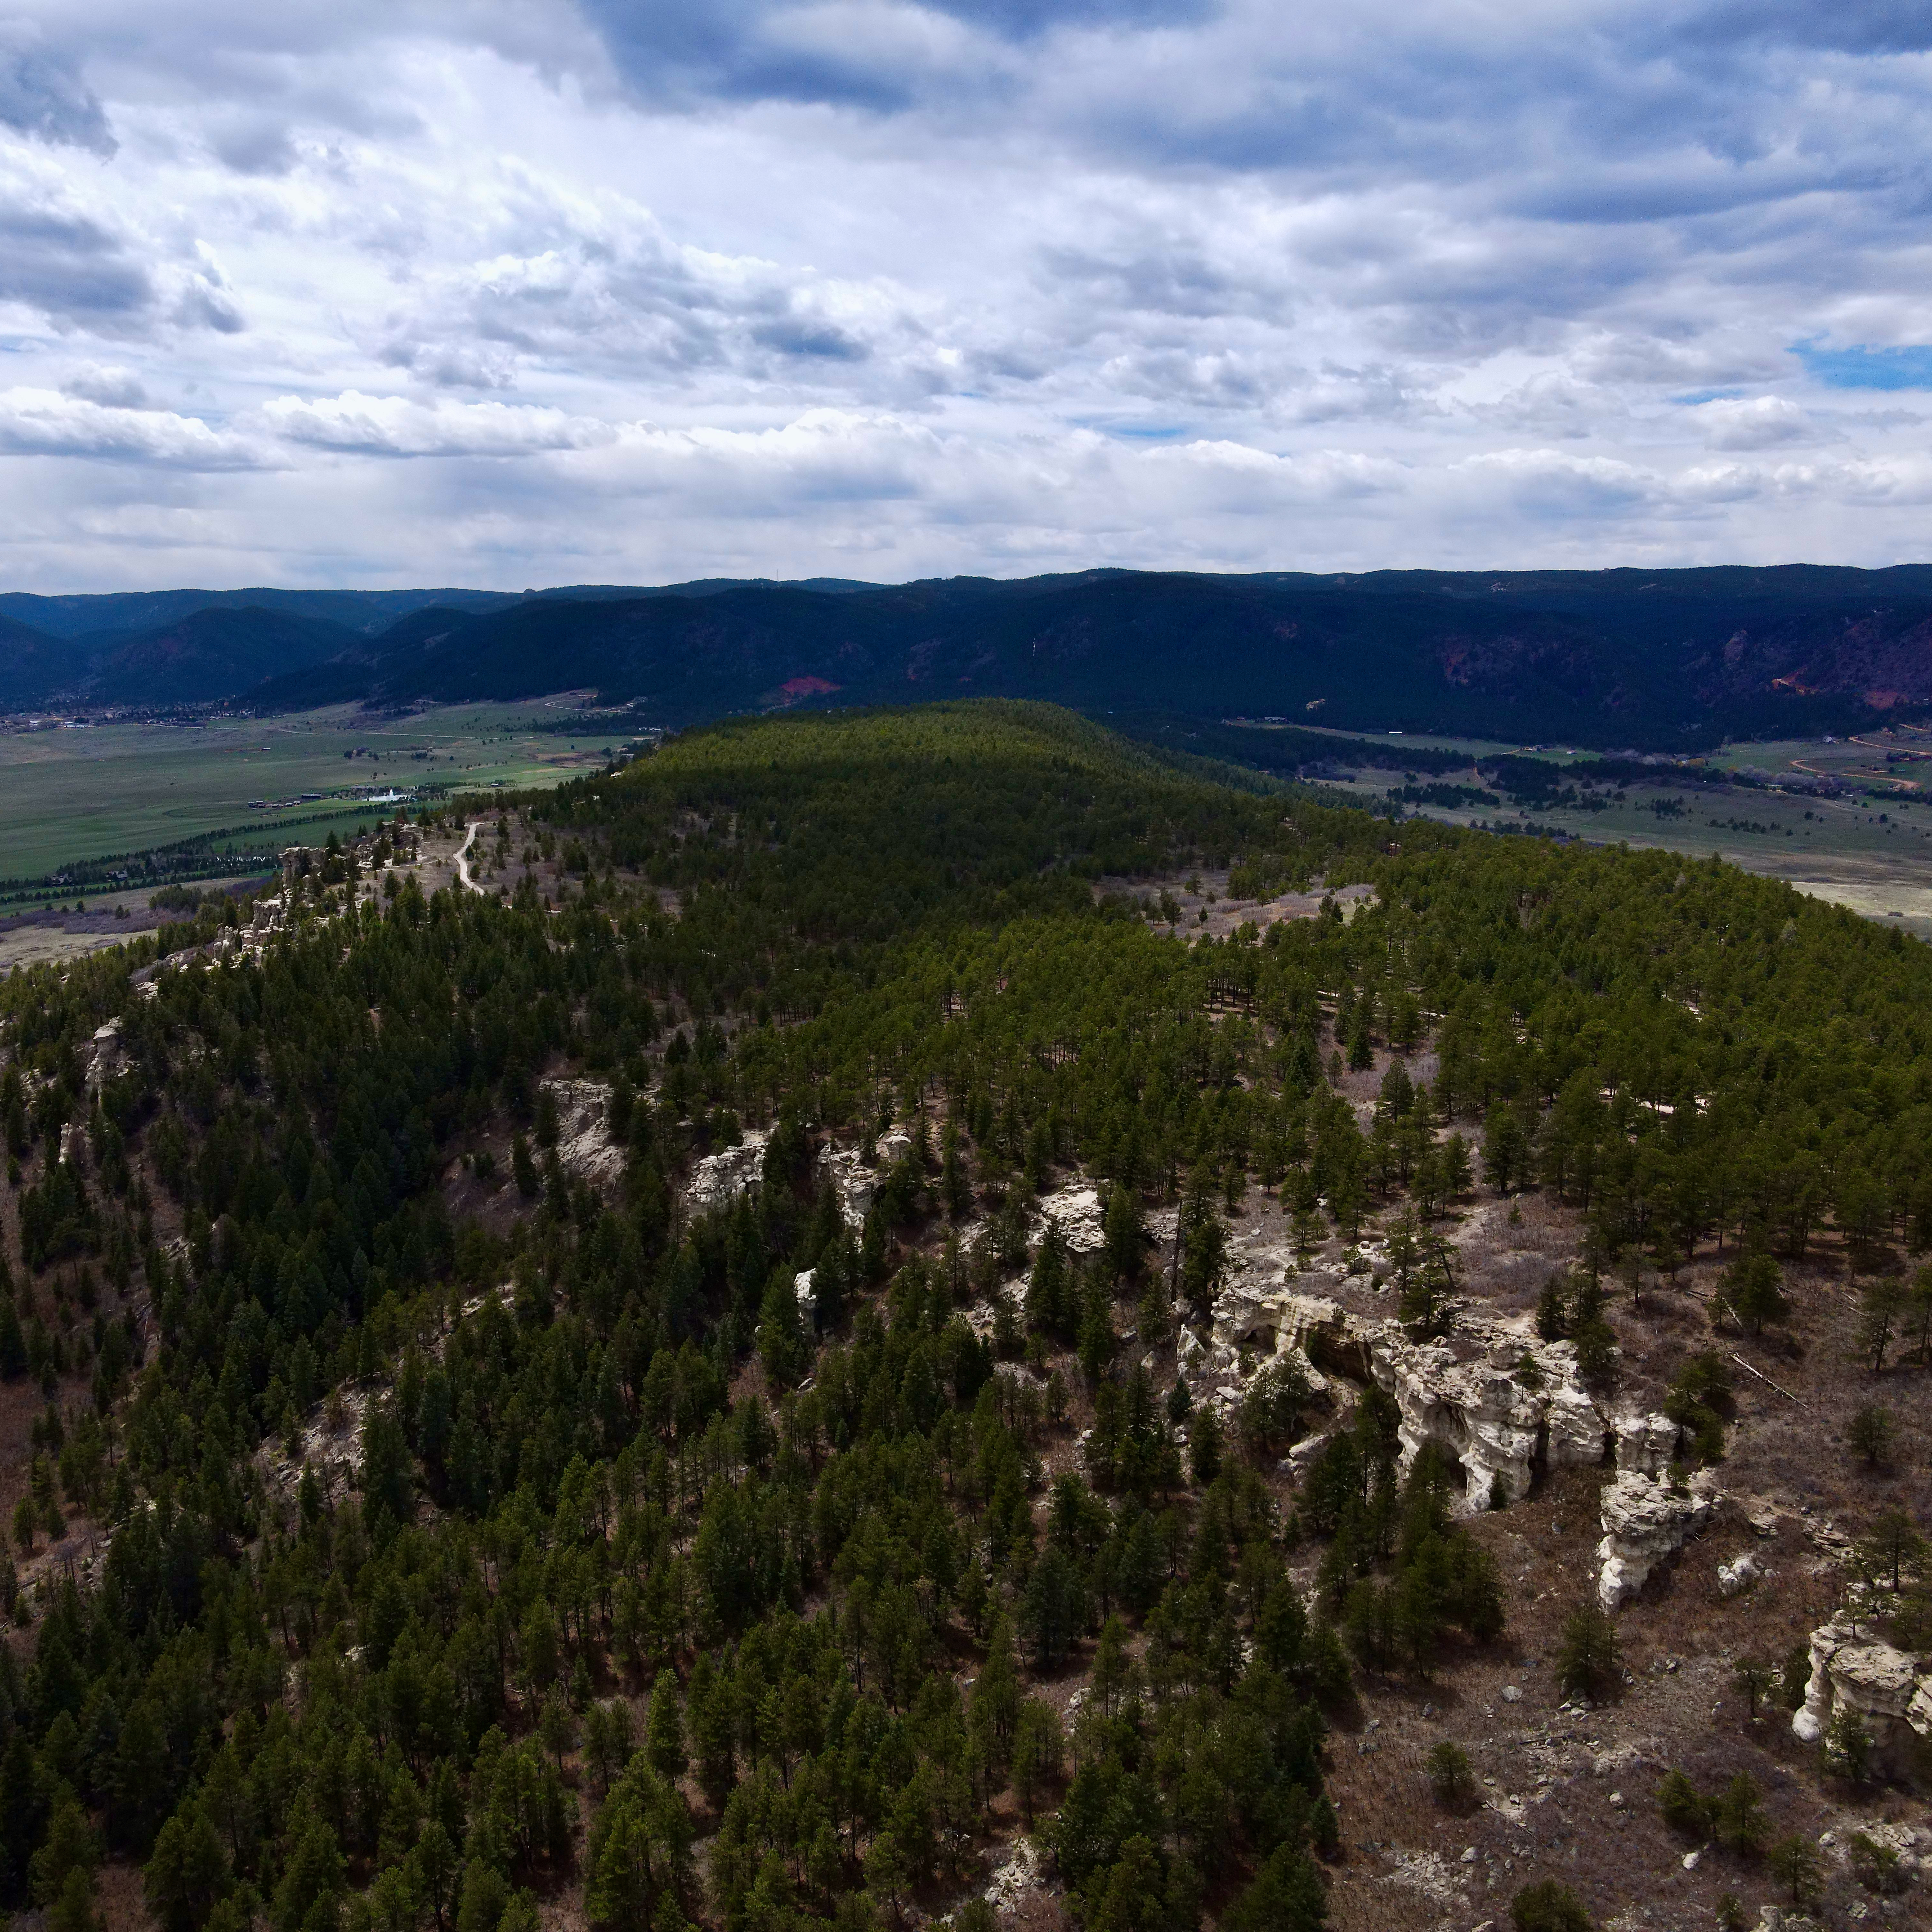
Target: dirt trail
[(463, 856)]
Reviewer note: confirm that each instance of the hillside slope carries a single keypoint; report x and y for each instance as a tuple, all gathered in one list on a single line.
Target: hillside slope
[(893, 1313), (1680, 659), (1653, 660)]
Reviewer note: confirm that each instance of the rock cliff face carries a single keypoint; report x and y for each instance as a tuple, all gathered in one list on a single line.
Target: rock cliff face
[(584, 1145), (1504, 1405), (853, 1181), (719, 1178), (1851, 1670), (1646, 1523), (1503, 1410)]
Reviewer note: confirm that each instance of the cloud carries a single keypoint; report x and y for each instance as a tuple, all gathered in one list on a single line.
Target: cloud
[(45, 422), (68, 265), (929, 285), (112, 386), (42, 95), (396, 426), (1754, 422)]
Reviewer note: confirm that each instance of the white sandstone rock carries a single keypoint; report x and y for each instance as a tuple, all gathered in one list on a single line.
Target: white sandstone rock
[(1646, 1523), (1493, 1423), (1078, 1213), (852, 1181), (1735, 1578), (584, 1145), (1646, 1445), (1850, 1669), (719, 1178)]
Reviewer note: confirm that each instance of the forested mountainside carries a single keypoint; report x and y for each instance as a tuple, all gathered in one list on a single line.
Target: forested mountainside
[(1651, 660), (578, 1401)]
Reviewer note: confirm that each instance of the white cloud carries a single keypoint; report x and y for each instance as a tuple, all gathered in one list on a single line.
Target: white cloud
[(109, 384), (962, 285), (396, 426), (1752, 422), (44, 422)]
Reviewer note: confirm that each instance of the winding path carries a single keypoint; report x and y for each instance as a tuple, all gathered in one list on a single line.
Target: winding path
[(463, 856)]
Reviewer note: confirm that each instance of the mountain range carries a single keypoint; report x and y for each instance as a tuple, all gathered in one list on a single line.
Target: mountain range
[(1652, 659)]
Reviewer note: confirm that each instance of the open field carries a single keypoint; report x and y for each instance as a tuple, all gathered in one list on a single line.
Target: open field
[(71, 794), (1871, 852)]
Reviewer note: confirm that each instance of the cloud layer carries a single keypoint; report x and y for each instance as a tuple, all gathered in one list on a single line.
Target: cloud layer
[(471, 290)]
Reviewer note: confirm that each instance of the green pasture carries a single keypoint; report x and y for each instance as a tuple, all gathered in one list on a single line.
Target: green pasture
[(69, 794)]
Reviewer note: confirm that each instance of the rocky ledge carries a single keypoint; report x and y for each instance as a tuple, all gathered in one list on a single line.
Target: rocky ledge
[(1851, 1670)]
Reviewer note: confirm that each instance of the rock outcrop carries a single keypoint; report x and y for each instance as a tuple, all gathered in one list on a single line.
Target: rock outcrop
[(1646, 1445), (851, 1181), (584, 1145), (1851, 1670), (1645, 1521), (1499, 1423), (719, 1178), (1512, 1407), (1077, 1212)]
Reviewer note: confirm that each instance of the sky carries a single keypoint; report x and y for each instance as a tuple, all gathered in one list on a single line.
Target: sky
[(507, 293)]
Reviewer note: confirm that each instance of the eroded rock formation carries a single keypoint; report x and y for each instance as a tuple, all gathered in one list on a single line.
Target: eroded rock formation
[(719, 1178), (1851, 1670), (1645, 1521), (1503, 1404), (584, 1145)]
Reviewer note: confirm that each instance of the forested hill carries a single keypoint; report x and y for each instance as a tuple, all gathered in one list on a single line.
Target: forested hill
[(1672, 658), (1649, 660), (440, 1512)]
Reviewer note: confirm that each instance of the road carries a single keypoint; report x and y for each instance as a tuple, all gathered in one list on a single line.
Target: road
[(463, 856)]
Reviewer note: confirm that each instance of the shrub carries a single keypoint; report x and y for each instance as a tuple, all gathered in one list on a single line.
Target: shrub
[(1879, 1867), (1699, 1400), (1870, 1434), (1796, 1678), (1753, 1287), (1553, 1309), (1549, 1906), (1738, 1820), (1451, 1776), (1596, 1356), (1288, 1895), (1589, 1663), (1755, 1679), (1684, 1808), (1794, 1864), (1846, 1749)]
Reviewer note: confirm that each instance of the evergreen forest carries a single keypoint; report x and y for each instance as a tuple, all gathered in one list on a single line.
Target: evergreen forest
[(424, 1524)]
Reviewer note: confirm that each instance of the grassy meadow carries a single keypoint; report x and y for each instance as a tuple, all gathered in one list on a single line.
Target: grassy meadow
[(69, 794), (1871, 852)]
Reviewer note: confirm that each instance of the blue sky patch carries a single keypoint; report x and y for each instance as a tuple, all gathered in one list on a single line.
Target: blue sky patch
[(1908, 367)]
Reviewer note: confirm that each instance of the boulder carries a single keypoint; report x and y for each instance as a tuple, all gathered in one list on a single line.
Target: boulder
[(1735, 1578), (1646, 1523)]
